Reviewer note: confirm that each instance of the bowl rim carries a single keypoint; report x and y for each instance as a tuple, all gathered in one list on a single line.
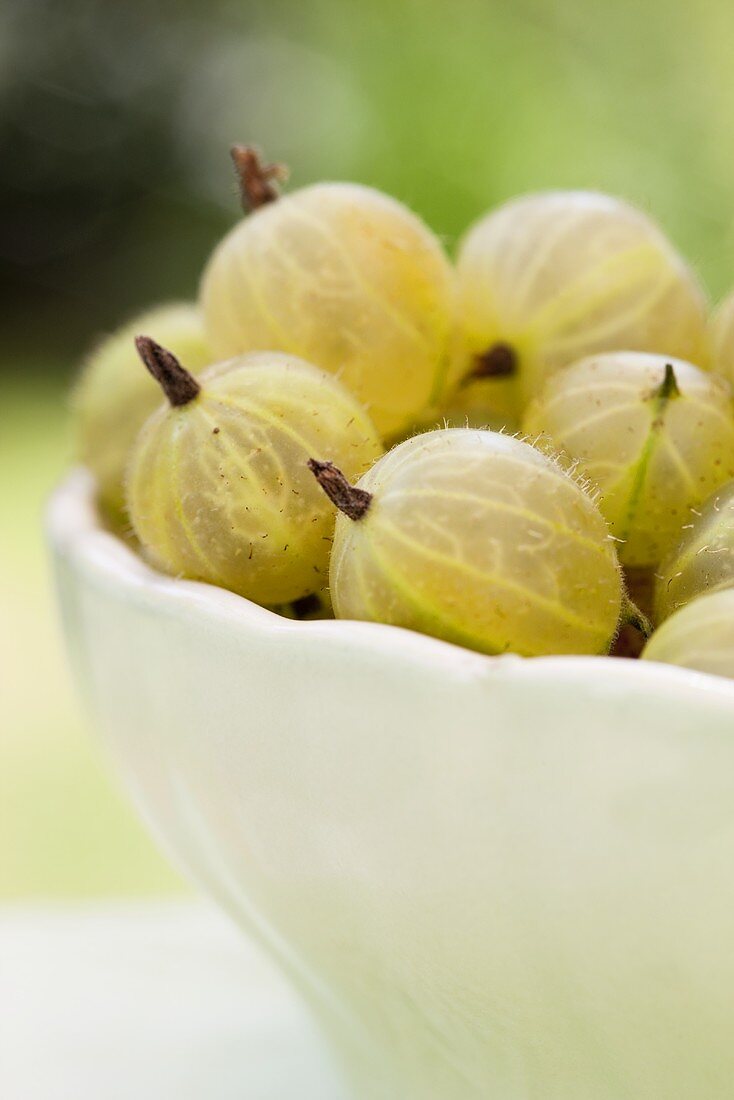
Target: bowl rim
[(76, 533)]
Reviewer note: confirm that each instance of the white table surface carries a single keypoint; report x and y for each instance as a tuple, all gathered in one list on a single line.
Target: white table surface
[(148, 1001)]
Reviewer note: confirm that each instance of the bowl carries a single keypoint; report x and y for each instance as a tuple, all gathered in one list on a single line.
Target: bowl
[(488, 877)]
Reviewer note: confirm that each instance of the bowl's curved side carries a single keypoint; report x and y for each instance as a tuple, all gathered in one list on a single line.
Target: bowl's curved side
[(491, 876)]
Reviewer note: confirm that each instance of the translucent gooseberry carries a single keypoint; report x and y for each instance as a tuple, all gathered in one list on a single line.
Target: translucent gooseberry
[(554, 277), (218, 488), (698, 636), (655, 435), (113, 397), (344, 276), (477, 538), (703, 561)]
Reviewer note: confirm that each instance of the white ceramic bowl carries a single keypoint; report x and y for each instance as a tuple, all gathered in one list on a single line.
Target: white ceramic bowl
[(490, 877)]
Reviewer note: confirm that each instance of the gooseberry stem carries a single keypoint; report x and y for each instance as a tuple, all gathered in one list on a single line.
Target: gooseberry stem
[(668, 386), (633, 617), (257, 181), (179, 386), (498, 361), (350, 500)]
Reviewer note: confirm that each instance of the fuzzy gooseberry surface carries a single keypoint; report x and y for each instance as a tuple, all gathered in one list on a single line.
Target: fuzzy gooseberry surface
[(698, 636), (113, 397), (703, 561), (655, 435), (350, 280), (218, 486), (477, 538), (558, 276)]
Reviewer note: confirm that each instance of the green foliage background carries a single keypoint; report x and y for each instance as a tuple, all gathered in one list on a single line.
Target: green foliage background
[(114, 183)]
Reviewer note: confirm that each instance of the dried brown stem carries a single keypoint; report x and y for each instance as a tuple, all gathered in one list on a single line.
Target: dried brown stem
[(179, 386), (350, 500), (258, 181)]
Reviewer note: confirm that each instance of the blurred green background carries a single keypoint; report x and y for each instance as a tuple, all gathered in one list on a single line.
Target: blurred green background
[(115, 182)]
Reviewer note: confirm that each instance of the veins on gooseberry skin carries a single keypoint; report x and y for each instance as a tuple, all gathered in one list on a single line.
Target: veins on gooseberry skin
[(698, 635), (217, 485), (480, 540), (258, 182), (369, 293), (703, 560), (571, 274), (655, 435), (113, 397)]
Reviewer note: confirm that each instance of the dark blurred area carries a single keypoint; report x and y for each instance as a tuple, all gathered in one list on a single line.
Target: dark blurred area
[(115, 121), (100, 207)]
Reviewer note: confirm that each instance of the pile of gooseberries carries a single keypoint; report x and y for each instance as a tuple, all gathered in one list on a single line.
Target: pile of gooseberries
[(529, 450)]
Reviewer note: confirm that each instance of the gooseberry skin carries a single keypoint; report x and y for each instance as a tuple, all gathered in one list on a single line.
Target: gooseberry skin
[(114, 397), (218, 489), (699, 636), (722, 338), (477, 538), (350, 280), (486, 404), (653, 455), (559, 276), (704, 559)]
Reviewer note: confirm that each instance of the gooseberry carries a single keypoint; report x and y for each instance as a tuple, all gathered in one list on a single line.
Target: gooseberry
[(551, 278), (655, 435), (703, 561), (477, 538), (217, 486), (343, 276), (699, 635), (114, 397)]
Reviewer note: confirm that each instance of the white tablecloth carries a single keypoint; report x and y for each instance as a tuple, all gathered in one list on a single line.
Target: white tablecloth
[(147, 1001)]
